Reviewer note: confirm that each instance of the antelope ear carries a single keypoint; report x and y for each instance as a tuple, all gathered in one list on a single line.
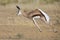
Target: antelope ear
[(18, 7), (46, 16)]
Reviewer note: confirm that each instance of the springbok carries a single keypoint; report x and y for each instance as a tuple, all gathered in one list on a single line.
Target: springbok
[(37, 13)]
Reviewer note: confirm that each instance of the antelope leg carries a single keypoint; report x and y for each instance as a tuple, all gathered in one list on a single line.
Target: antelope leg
[(36, 24)]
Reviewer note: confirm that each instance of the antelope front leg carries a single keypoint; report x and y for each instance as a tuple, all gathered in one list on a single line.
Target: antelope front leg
[(36, 25)]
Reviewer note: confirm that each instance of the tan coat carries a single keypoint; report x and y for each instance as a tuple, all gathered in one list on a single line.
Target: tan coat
[(33, 13)]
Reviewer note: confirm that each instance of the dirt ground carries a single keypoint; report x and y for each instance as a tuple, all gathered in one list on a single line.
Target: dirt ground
[(14, 27)]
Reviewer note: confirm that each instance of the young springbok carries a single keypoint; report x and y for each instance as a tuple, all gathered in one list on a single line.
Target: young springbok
[(37, 13)]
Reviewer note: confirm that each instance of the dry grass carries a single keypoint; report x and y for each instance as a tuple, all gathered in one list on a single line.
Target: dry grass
[(13, 27)]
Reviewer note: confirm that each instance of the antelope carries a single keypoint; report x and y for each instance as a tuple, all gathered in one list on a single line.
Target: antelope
[(37, 13)]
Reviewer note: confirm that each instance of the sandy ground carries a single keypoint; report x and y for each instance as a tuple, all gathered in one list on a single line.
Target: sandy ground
[(14, 27)]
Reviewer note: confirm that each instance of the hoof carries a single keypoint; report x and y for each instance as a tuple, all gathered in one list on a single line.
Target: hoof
[(40, 30), (55, 31)]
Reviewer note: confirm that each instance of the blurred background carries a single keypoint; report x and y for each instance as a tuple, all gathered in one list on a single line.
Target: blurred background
[(14, 27), (5, 2)]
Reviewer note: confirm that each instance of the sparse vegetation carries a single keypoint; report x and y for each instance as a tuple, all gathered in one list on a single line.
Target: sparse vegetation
[(19, 36)]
